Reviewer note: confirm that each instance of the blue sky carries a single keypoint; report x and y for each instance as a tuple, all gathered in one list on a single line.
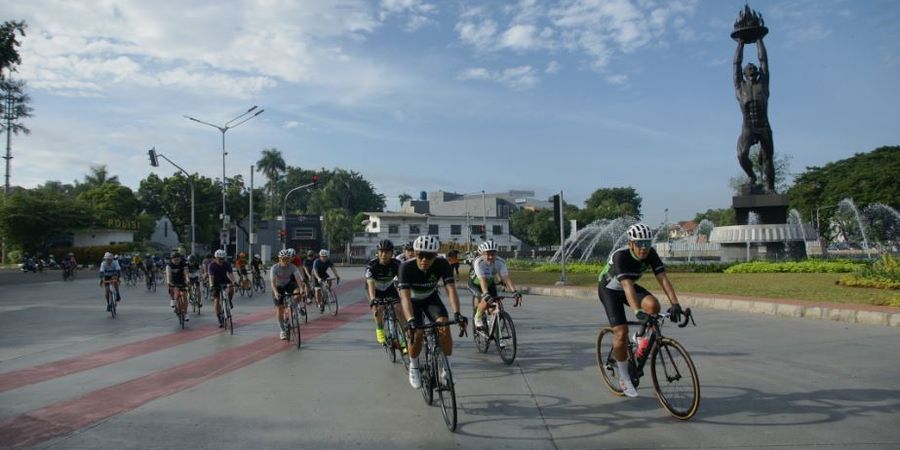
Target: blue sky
[(453, 95)]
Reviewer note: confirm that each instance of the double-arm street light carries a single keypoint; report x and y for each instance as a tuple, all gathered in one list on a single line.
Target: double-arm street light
[(233, 123), (155, 163), (284, 209)]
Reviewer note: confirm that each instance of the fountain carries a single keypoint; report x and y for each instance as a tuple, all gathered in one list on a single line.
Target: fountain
[(602, 234), (704, 224), (847, 205)]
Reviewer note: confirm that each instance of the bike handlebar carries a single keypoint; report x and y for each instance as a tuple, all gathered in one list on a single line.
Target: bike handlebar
[(687, 314)]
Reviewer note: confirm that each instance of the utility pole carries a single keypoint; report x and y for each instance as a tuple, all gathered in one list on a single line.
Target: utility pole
[(563, 280), (250, 225)]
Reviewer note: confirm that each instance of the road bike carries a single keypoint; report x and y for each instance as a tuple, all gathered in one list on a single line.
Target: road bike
[(151, 282), (224, 310), (298, 313), (130, 277), (500, 329), (195, 295), (671, 368), (181, 301), (68, 272), (436, 372), (244, 287), (259, 283), (394, 336), (110, 295), (329, 298)]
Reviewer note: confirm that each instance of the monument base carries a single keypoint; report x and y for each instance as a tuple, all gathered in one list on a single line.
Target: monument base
[(770, 251), (771, 208)]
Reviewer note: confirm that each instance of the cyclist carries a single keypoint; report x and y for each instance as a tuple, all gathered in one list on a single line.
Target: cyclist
[(306, 268), (408, 253), (483, 279), (221, 275), (417, 282), (381, 272), (257, 266), (204, 265), (110, 271), (193, 266), (69, 264), (240, 263), (453, 259), (618, 287), (320, 275), (177, 275), (285, 277), (149, 269)]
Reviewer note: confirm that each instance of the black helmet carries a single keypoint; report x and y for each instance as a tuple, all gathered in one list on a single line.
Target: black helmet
[(385, 245), (310, 253), (408, 246), (175, 254)]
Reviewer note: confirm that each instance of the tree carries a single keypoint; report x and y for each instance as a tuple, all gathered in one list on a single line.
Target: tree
[(612, 203), (782, 170), (9, 46), (111, 200), (14, 108), (272, 165), (31, 219), (98, 176), (346, 190), (720, 217), (171, 197), (404, 197), (338, 226), (536, 228), (867, 178)]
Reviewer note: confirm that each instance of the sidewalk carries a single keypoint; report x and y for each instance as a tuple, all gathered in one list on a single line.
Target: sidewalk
[(850, 313)]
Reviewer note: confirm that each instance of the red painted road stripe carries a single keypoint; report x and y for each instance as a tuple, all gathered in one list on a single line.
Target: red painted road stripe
[(69, 416), (56, 369)]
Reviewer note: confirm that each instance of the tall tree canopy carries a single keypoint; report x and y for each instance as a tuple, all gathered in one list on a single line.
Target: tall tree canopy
[(9, 46), (271, 164)]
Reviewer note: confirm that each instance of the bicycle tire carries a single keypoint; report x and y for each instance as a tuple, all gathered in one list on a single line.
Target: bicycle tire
[(482, 341), (390, 347), (250, 292), (426, 370), (505, 337), (331, 301), (229, 322), (446, 391), (606, 363), (665, 359), (295, 325), (153, 284)]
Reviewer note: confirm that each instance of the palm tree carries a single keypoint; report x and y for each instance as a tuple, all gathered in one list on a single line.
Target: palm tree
[(271, 164), (99, 176)]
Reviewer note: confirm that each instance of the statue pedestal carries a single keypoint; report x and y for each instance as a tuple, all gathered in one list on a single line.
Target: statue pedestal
[(771, 237), (771, 208)]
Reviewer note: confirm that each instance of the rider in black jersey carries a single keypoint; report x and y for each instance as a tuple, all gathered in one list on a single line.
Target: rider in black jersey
[(618, 287), (381, 273)]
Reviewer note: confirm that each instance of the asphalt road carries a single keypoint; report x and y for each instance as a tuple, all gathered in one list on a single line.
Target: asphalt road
[(72, 377)]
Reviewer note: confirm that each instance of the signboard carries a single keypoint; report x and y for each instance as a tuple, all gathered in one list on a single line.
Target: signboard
[(224, 237), (253, 238)]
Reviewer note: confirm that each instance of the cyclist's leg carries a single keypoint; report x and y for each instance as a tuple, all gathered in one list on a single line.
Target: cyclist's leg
[(614, 303), (415, 344), (279, 310), (437, 312), (318, 288)]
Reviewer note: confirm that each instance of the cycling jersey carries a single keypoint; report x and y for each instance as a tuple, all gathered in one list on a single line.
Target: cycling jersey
[(623, 265), (481, 268), (218, 273), (424, 284), (320, 268), (256, 264), (175, 273), (285, 275), (194, 270), (383, 276), (110, 269), (308, 265)]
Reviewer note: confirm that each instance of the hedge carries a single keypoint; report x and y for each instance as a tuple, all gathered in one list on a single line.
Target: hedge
[(809, 266)]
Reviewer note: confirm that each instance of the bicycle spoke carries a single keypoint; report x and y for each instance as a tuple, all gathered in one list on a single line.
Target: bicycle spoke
[(675, 379)]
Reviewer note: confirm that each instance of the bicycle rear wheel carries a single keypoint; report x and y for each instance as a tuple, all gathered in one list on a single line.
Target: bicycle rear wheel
[(446, 390), (506, 338), (331, 301), (609, 371), (675, 379)]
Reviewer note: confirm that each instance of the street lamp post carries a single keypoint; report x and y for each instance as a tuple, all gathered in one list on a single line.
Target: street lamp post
[(155, 163), (284, 212), (233, 123)]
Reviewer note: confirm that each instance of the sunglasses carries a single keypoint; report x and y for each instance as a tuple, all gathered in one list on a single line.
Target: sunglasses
[(426, 256), (643, 243)]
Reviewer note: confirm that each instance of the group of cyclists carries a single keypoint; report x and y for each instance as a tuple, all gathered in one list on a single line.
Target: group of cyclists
[(415, 276)]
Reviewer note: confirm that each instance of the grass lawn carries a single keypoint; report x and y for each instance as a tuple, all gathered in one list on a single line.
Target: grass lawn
[(819, 287)]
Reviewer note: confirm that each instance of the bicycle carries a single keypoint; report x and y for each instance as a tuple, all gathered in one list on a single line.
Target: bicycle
[(434, 364), (329, 298), (130, 278), (221, 291), (181, 303), (68, 272), (195, 296), (394, 337), (110, 296), (258, 282), (500, 329), (151, 282), (670, 364), (297, 311)]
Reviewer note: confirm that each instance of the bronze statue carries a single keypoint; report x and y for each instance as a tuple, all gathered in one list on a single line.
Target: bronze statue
[(751, 87)]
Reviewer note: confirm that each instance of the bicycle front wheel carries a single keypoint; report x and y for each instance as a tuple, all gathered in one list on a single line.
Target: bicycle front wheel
[(675, 379), (331, 301), (506, 338), (609, 371), (427, 379), (229, 321), (295, 325), (446, 390)]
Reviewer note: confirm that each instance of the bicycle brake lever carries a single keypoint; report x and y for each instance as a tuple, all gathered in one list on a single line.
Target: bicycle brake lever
[(688, 317)]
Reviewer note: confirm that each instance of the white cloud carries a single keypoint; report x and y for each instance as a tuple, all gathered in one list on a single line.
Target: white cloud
[(552, 67), (475, 73), (617, 80), (519, 37), (515, 78), (417, 12), (479, 33), (291, 124)]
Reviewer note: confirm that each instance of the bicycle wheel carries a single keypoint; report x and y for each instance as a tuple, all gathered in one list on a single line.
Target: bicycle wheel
[(675, 379), (390, 339), (250, 292), (426, 370), (111, 302), (331, 301), (153, 284), (446, 390), (295, 324), (609, 371), (229, 322), (506, 338)]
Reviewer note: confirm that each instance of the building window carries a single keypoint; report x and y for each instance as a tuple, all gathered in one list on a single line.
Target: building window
[(304, 233), (414, 230), (476, 230), (455, 230), (433, 229), (165, 229), (393, 229), (497, 230)]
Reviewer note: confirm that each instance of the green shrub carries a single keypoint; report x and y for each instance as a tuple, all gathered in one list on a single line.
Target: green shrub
[(809, 266), (90, 256), (882, 274), (13, 256), (698, 267)]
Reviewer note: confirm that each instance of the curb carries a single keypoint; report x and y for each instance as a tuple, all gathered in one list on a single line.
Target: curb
[(864, 317)]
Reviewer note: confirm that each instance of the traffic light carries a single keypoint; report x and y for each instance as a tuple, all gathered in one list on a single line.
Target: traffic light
[(282, 233), (153, 161), (482, 232), (315, 180), (556, 207)]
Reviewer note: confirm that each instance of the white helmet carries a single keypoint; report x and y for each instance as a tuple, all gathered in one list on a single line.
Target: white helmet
[(638, 232), (488, 246), (286, 253), (107, 255), (220, 254), (323, 252), (427, 244)]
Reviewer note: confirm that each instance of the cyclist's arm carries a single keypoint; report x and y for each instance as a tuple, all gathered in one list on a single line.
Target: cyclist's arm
[(406, 304), (272, 281), (334, 271), (370, 286), (187, 274), (484, 285), (508, 282), (454, 298), (630, 294), (168, 276), (667, 287)]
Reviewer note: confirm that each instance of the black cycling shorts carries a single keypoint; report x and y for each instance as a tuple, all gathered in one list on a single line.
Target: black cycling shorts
[(281, 290), (431, 307), (390, 292), (615, 301)]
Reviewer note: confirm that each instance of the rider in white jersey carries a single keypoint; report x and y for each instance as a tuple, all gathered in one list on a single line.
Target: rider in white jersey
[(483, 279)]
